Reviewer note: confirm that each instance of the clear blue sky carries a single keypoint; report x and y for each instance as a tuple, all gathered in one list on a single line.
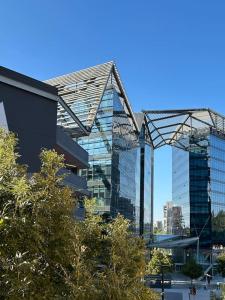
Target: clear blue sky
[(170, 53)]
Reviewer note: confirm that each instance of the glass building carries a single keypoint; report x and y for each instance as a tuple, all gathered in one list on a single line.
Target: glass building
[(119, 173), (199, 188), (198, 173), (191, 180), (146, 175)]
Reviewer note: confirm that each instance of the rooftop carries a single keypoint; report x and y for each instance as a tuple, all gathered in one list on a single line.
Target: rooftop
[(82, 92), (27, 83), (166, 127)]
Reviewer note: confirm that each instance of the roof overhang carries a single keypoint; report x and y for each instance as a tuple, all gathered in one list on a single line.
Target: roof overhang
[(171, 244), (168, 127), (28, 84), (86, 88)]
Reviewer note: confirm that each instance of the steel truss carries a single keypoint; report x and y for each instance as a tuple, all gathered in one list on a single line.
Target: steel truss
[(169, 127)]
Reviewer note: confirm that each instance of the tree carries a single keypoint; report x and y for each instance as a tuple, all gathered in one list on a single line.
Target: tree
[(158, 258), (37, 231), (46, 254), (218, 227), (192, 269), (221, 264)]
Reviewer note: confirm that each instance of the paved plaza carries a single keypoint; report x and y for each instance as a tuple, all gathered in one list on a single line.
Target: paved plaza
[(180, 288), (176, 294)]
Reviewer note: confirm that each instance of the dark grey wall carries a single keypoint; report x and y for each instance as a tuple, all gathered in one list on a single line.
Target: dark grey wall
[(33, 119), (27, 80)]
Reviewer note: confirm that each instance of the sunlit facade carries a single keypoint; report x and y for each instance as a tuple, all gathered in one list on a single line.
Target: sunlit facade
[(217, 188), (113, 175), (120, 156), (199, 187), (146, 179)]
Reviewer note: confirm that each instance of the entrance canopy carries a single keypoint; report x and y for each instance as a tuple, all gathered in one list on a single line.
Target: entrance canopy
[(167, 127), (171, 244)]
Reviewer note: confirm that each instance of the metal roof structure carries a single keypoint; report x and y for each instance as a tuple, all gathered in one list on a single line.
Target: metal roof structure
[(168, 127), (171, 244), (81, 93)]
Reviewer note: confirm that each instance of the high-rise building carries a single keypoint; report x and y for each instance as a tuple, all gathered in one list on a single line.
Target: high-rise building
[(172, 218), (117, 142), (158, 226), (198, 165), (167, 217), (199, 186)]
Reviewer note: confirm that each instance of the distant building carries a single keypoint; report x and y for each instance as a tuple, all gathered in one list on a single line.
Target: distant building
[(158, 226), (167, 217), (177, 220), (172, 218)]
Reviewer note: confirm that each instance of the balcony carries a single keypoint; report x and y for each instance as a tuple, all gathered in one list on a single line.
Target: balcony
[(74, 154)]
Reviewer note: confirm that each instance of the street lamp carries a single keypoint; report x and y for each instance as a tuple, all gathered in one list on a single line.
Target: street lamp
[(162, 279)]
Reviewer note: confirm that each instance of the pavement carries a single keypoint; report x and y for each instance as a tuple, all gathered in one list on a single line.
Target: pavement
[(180, 288), (183, 294)]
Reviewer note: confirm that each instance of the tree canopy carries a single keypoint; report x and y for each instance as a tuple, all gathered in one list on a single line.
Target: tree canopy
[(192, 269), (159, 258), (221, 264), (46, 254)]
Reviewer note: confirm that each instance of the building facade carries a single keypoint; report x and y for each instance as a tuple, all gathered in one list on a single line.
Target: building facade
[(167, 217), (28, 108), (199, 187), (172, 218), (158, 227), (118, 152), (197, 137)]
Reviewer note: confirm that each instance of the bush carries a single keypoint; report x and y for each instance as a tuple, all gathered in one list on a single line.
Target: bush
[(221, 264), (192, 269), (46, 254)]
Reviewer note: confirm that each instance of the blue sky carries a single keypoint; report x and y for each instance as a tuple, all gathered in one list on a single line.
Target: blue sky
[(171, 54)]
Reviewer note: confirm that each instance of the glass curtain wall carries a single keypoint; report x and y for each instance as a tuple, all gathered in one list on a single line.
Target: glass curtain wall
[(125, 164), (199, 173), (146, 162), (181, 187), (199, 188), (217, 188), (99, 146), (114, 157)]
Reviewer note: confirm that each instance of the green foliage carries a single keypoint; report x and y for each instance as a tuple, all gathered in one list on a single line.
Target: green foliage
[(222, 287), (159, 257), (192, 269), (221, 264), (46, 254)]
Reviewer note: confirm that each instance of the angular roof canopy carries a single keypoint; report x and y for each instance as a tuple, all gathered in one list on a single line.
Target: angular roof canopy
[(82, 92), (167, 127), (176, 243)]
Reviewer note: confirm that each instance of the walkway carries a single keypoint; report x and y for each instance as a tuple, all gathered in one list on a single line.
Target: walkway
[(173, 294)]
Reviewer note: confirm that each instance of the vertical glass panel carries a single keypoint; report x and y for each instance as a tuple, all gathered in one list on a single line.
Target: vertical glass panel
[(217, 188)]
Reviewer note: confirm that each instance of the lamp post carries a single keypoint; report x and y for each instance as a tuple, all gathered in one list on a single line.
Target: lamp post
[(162, 279), (198, 250), (162, 271)]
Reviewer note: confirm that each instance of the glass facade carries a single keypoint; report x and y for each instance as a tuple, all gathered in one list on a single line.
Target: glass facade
[(199, 186), (146, 169), (96, 113), (114, 158), (147, 188), (180, 186), (125, 163), (217, 188), (99, 147)]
